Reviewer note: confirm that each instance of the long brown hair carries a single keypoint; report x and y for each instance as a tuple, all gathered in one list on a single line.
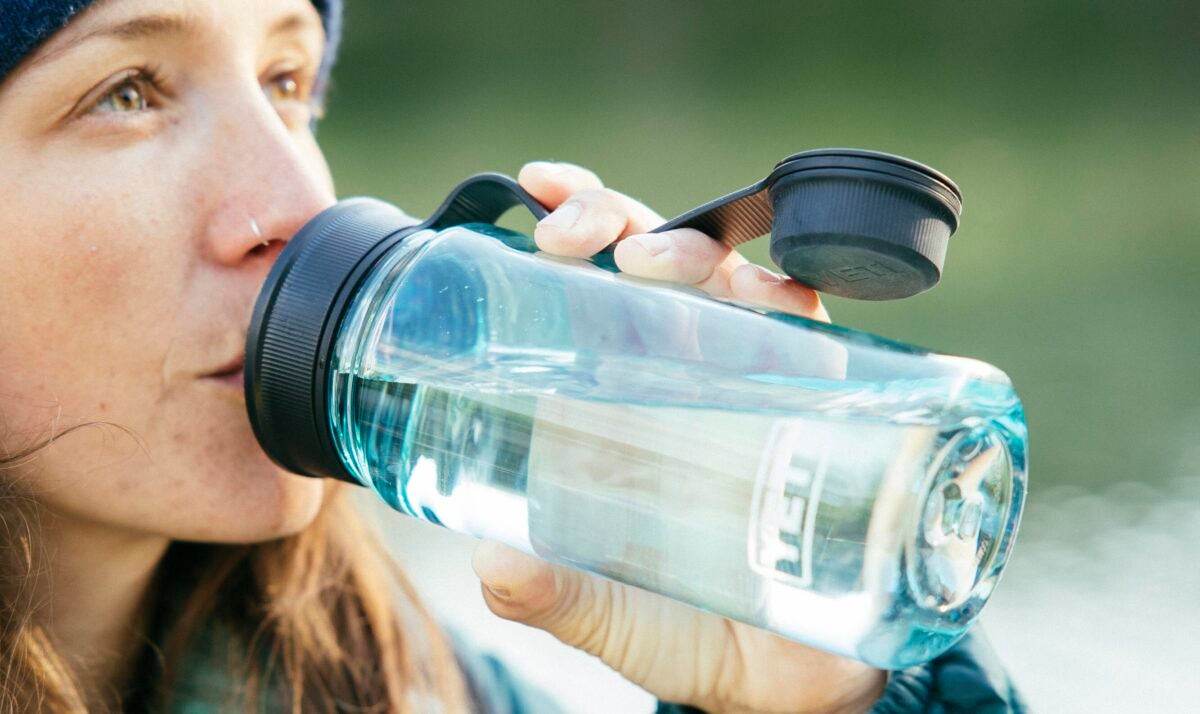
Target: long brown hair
[(320, 621)]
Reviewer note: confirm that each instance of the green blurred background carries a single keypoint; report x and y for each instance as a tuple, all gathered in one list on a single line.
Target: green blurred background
[(1073, 130)]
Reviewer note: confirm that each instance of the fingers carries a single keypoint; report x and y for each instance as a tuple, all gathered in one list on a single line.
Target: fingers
[(689, 256), (683, 255), (757, 285), (587, 217), (583, 225)]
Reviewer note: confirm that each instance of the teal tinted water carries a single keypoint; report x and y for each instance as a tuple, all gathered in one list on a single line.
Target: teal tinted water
[(869, 520)]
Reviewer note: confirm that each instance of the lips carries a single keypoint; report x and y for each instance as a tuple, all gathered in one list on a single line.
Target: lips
[(232, 372)]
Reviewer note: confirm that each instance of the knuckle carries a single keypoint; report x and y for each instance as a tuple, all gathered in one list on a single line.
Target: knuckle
[(594, 197), (615, 645), (605, 209), (579, 614), (613, 198)]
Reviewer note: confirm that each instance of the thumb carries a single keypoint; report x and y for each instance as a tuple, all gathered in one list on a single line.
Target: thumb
[(674, 651), (596, 615), (570, 605)]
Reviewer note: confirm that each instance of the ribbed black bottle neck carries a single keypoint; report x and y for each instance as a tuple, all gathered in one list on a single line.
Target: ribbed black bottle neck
[(290, 345)]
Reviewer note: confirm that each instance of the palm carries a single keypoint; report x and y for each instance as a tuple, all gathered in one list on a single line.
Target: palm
[(682, 654)]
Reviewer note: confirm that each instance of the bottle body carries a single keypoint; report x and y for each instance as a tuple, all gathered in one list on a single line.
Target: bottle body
[(846, 492)]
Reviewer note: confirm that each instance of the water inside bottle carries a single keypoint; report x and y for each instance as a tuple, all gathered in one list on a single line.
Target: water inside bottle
[(869, 519)]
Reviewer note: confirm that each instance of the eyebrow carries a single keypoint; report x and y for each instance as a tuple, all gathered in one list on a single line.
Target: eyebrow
[(134, 29), (292, 23), (151, 25)]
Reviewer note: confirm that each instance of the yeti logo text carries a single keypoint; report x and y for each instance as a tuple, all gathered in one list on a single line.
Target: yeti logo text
[(785, 509), (858, 273)]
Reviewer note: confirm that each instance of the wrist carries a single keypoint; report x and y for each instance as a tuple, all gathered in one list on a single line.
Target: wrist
[(861, 697)]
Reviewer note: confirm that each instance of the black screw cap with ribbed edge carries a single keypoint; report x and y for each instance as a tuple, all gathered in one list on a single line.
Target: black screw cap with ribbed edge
[(854, 223), (862, 224), (295, 323)]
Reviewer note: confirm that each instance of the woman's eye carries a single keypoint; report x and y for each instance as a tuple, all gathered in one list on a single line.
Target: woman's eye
[(285, 88), (290, 92), (128, 96)]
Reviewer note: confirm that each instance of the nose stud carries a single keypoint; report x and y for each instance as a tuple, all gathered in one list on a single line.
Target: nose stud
[(257, 231)]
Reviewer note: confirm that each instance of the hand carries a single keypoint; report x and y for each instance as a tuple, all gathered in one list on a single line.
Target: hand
[(678, 653)]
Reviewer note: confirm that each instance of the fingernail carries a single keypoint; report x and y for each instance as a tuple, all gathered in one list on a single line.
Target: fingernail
[(564, 216), (498, 592), (654, 243), (503, 569), (766, 276)]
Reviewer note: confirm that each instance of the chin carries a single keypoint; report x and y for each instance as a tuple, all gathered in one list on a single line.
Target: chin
[(234, 495), (226, 488), (267, 506)]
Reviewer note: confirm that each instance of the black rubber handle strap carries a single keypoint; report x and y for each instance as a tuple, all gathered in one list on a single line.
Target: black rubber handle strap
[(734, 219), (737, 218), (483, 199)]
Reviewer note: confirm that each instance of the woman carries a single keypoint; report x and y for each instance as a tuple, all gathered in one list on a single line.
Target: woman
[(156, 156)]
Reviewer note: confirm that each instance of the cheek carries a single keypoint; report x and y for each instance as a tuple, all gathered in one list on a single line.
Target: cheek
[(216, 483), (88, 300), (113, 275), (90, 292), (196, 474), (101, 291)]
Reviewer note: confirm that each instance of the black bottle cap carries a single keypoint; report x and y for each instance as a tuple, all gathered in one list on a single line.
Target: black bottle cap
[(862, 224), (854, 223)]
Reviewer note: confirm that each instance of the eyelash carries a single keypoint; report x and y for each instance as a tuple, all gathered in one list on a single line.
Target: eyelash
[(147, 78)]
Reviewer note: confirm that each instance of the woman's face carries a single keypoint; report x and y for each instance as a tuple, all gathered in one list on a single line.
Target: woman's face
[(147, 153)]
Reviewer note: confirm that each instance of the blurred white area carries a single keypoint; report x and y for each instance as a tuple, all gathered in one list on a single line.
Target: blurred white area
[(1099, 611)]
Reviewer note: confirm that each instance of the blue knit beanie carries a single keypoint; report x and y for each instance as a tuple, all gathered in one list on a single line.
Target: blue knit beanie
[(26, 24)]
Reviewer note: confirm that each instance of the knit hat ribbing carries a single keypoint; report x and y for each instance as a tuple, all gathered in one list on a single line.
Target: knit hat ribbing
[(26, 24)]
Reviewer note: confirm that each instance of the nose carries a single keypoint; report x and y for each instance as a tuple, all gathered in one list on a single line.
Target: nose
[(270, 179)]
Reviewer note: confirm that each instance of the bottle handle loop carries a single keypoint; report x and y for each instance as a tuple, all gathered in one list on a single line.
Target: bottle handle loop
[(483, 198), (734, 219)]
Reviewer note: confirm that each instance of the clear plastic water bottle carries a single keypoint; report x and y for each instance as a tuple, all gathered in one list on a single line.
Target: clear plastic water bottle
[(836, 488)]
